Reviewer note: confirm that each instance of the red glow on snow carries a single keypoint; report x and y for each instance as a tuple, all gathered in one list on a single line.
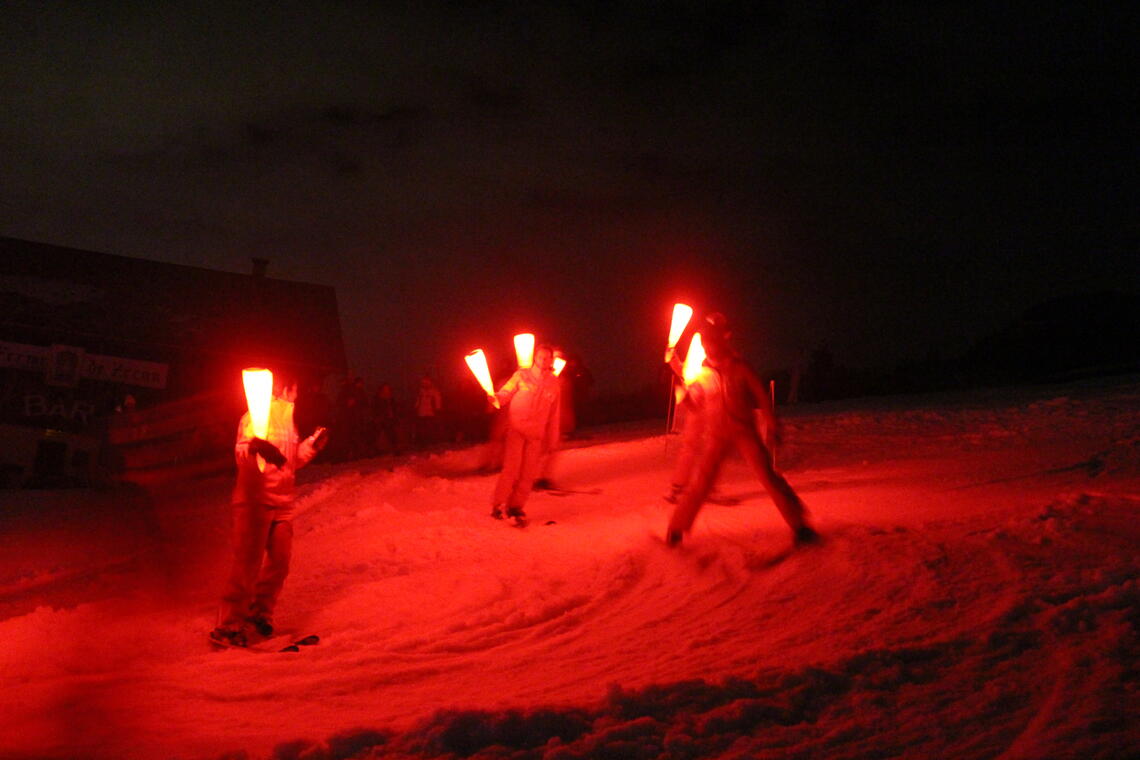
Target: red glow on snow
[(477, 362), (524, 349), (939, 514)]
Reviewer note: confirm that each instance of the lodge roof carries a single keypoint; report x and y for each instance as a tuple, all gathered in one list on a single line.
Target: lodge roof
[(155, 310)]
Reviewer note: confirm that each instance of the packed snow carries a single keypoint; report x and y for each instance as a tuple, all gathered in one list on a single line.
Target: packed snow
[(975, 596)]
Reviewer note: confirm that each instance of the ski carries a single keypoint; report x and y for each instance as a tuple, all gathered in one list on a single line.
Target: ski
[(523, 523), (304, 641), (572, 491), (271, 645)]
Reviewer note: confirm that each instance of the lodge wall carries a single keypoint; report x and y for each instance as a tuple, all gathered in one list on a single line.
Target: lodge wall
[(114, 368)]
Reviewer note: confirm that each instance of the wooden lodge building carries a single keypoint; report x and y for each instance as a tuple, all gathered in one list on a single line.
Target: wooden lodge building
[(120, 368)]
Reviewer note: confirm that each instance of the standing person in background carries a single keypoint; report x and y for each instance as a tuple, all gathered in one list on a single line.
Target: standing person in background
[(262, 518), (384, 419), (545, 481), (533, 430), (730, 422), (569, 415), (578, 381), (429, 403), (349, 407), (358, 421), (312, 408)]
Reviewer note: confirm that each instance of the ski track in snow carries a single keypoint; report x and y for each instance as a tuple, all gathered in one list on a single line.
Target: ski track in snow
[(976, 594)]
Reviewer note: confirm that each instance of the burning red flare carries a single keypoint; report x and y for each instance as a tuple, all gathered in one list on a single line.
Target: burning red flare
[(693, 360), (258, 384), (477, 362), (524, 349), (682, 313)]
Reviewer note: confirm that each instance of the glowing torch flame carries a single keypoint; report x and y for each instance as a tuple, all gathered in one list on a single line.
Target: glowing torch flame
[(524, 349), (681, 316), (559, 363), (258, 393), (477, 362), (693, 360), (682, 313)]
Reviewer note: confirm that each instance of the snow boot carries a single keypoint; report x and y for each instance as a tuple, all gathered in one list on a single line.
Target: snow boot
[(227, 637), (673, 538), (805, 536), (517, 517), (262, 625), (496, 512)]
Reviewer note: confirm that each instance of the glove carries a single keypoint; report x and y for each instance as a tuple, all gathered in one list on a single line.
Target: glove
[(268, 451), (242, 452)]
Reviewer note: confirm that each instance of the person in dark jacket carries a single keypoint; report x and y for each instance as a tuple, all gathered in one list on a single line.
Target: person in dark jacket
[(730, 422)]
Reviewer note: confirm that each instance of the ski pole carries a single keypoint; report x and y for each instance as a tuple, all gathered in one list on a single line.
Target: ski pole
[(772, 394)]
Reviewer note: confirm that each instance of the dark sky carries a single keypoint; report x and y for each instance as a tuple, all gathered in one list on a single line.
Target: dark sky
[(890, 180)]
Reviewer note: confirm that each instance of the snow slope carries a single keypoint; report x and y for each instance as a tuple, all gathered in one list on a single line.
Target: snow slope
[(976, 596)]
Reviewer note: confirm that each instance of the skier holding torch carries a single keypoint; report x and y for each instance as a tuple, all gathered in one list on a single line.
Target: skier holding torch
[(729, 422), (533, 430), (268, 451), (699, 384)]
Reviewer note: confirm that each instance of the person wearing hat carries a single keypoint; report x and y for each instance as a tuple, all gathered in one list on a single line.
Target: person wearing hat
[(729, 422)]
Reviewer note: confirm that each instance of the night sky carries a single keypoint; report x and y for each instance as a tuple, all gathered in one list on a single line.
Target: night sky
[(892, 181)]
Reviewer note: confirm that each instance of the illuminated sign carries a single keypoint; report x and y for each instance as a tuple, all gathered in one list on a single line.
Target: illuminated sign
[(66, 365)]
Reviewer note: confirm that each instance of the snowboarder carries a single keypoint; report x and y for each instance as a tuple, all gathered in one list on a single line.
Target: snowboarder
[(262, 518), (533, 431), (730, 422)]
